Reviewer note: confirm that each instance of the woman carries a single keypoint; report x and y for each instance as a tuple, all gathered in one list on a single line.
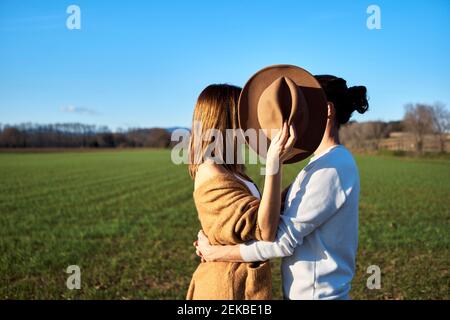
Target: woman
[(318, 231), (228, 203)]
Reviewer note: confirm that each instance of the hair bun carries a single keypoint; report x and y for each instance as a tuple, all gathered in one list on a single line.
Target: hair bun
[(357, 98)]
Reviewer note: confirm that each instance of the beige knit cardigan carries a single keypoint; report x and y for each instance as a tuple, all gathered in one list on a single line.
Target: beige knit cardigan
[(228, 215)]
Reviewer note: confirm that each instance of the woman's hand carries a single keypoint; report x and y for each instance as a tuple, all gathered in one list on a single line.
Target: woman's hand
[(280, 148), (202, 247)]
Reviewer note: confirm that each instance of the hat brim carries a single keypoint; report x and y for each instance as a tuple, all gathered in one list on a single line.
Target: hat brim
[(309, 138)]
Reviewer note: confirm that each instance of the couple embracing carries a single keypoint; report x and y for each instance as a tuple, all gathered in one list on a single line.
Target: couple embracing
[(313, 224)]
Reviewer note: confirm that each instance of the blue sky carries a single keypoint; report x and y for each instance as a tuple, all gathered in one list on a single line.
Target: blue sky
[(143, 63)]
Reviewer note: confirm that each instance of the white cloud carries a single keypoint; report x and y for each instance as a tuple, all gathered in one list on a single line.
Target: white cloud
[(79, 110)]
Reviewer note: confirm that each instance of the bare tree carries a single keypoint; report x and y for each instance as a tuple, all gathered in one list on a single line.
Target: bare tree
[(441, 123), (351, 136), (106, 140), (364, 135), (373, 132), (418, 120), (12, 138)]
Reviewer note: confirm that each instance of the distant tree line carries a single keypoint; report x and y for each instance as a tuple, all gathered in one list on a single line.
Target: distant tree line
[(77, 135), (420, 122), (367, 135)]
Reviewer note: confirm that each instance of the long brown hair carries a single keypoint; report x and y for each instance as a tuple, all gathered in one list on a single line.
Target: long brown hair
[(216, 108)]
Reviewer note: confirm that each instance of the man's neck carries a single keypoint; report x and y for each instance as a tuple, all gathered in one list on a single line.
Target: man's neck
[(330, 139)]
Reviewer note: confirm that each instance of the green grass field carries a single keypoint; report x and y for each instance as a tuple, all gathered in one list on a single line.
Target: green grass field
[(128, 220)]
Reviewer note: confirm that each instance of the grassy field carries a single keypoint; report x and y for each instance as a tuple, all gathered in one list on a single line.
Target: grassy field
[(127, 219)]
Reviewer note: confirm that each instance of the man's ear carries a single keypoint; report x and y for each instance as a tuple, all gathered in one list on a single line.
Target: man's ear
[(331, 110)]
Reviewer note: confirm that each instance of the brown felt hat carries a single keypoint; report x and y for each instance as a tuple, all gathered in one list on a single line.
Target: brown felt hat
[(282, 93)]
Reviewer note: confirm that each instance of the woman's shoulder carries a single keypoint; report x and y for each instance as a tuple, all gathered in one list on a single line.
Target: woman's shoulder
[(207, 171), (213, 179)]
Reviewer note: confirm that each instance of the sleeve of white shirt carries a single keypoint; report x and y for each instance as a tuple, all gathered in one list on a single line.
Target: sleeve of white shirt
[(319, 197)]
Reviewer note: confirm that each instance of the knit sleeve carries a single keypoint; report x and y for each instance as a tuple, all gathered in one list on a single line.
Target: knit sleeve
[(227, 211)]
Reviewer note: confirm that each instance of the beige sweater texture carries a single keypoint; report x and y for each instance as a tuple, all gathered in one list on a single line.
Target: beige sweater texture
[(228, 215)]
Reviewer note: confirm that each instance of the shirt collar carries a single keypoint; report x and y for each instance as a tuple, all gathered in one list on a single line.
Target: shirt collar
[(317, 156)]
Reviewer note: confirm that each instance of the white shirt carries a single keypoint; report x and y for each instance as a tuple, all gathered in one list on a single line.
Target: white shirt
[(318, 232), (251, 186)]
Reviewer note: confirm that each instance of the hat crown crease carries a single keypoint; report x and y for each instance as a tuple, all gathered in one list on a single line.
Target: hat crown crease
[(277, 104)]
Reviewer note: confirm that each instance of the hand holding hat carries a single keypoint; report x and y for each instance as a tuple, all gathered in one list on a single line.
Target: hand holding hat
[(279, 94), (281, 147)]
